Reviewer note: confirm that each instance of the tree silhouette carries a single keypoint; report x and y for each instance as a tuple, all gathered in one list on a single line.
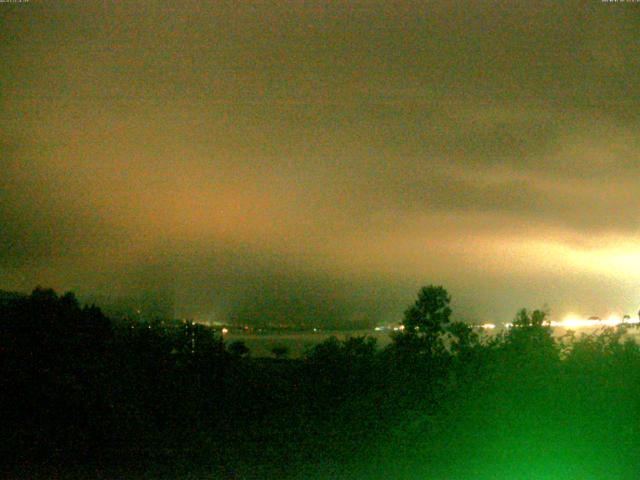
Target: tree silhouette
[(425, 321), (430, 312), (463, 337), (532, 337), (526, 319), (280, 351), (238, 348)]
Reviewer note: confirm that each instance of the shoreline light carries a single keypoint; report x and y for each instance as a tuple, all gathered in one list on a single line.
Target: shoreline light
[(573, 321)]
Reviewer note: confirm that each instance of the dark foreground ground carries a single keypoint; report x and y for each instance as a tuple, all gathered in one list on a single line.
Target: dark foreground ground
[(82, 396)]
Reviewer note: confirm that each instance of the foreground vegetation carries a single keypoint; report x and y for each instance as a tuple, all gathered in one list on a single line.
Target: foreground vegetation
[(84, 396)]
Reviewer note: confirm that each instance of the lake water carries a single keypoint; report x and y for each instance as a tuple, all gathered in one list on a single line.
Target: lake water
[(298, 342)]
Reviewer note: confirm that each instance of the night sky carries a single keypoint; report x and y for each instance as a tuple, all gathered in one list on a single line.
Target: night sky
[(317, 162)]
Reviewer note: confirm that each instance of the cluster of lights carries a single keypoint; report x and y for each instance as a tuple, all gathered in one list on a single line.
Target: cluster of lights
[(572, 321), (397, 328), (569, 322), (575, 322)]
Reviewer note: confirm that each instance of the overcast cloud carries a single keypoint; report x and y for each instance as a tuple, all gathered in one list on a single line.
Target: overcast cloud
[(317, 163)]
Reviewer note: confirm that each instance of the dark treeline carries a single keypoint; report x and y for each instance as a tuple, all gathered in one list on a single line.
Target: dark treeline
[(82, 395)]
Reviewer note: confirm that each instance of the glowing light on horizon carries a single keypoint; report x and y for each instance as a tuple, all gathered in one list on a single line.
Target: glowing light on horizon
[(573, 322), (612, 320)]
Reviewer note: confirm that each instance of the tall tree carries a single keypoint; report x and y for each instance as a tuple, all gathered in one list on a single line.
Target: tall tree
[(430, 312), (425, 321)]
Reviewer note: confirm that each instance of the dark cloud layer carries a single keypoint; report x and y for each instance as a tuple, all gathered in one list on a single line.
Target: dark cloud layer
[(316, 162)]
